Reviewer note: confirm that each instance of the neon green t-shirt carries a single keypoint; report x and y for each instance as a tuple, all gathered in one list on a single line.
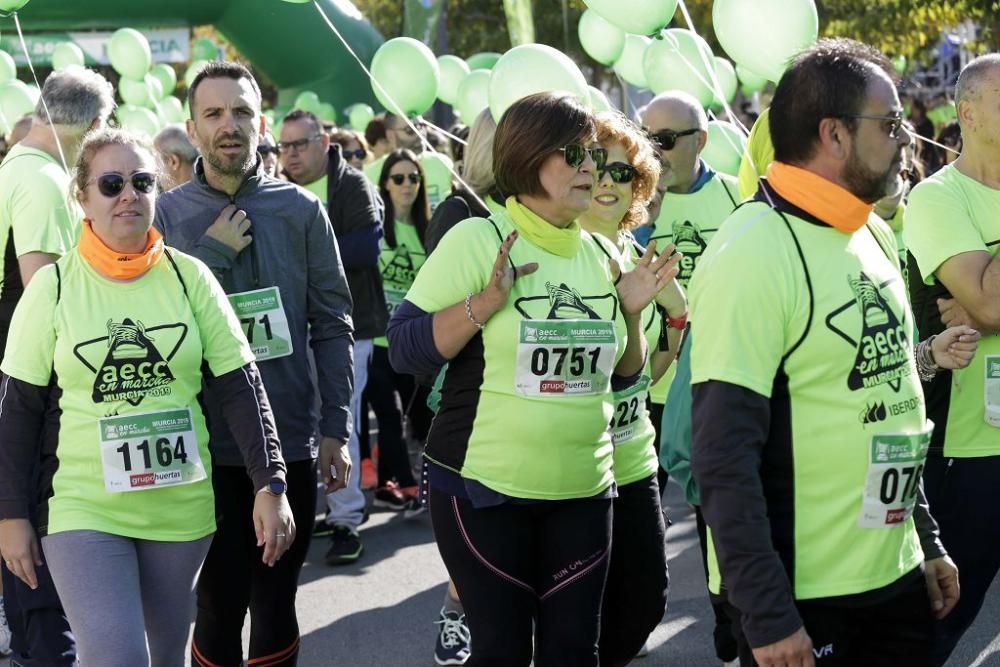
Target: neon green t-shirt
[(36, 211), (823, 328), (525, 406), (128, 362), (399, 267), (689, 221), (319, 188), (632, 432), (437, 172), (948, 214)]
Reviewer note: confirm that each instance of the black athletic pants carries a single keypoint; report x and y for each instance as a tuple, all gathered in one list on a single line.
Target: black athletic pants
[(40, 633), (962, 495), (635, 596), (517, 564), (891, 633), (235, 579), (395, 395), (722, 634), (656, 416)]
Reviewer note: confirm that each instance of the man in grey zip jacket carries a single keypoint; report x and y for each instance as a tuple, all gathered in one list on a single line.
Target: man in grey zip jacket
[(272, 248)]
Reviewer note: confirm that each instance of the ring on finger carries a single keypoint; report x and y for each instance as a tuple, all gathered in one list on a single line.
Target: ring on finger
[(280, 535)]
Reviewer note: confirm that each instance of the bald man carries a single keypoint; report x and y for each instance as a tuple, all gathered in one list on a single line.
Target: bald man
[(951, 228), (177, 154)]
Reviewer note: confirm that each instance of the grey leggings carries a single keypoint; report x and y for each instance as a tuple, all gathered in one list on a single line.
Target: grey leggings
[(118, 592)]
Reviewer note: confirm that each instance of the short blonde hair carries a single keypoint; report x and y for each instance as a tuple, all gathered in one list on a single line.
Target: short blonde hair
[(614, 128), (477, 167)]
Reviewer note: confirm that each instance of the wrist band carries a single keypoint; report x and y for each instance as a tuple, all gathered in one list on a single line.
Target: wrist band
[(468, 312), (677, 322)]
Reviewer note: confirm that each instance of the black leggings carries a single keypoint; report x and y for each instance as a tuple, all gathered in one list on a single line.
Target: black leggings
[(635, 596), (393, 396), (234, 579), (724, 636), (656, 416), (515, 564)]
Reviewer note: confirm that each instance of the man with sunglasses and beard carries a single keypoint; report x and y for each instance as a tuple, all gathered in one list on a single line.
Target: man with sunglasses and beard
[(809, 430), (272, 248), (409, 134), (356, 212), (39, 223)]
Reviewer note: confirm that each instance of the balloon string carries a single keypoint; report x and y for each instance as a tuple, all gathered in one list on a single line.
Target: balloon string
[(446, 133), (914, 135), (423, 140), (45, 107)]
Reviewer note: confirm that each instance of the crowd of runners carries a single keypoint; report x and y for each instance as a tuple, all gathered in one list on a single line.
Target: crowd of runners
[(560, 311)]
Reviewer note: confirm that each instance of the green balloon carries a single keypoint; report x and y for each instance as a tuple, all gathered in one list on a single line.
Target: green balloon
[(129, 53), (602, 41), (405, 76), (359, 116), (204, 49), (629, 64), (483, 60), (8, 69), (534, 68), (765, 35), (750, 81), (34, 94), (453, 71), (192, 71), (309, 101), (66, 54), (900, 64), (473, 95), (725, 74), (155, 87), (173, 109), (599, 101), (12, 5), (15, 102), (640, 17), (724, 148), (327, 113), (134, 92), (138, 120), (166, 75), (680, 60)]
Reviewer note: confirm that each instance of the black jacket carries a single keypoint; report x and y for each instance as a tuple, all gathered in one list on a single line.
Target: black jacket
[(460, 205), (357, 213)]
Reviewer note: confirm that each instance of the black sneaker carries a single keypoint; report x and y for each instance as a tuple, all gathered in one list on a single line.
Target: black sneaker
[(345, 546), (322, 528), (389, 497), (453, 641)]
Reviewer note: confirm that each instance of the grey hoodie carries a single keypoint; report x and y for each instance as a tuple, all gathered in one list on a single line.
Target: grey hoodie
[(294, 249)]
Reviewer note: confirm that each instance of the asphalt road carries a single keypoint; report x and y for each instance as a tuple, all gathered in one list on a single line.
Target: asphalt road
[(380, 611)]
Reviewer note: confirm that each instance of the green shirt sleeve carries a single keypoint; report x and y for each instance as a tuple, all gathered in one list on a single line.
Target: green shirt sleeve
[(459, 266), (743, 300), (41, 216), (224, 345), (936, 227), (31, 341)]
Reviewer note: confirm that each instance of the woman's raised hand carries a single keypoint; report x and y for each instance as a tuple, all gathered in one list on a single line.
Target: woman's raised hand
[(502, 278), (637, 288)]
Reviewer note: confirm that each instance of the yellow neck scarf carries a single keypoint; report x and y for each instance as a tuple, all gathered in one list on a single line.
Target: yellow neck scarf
[(563, 242)]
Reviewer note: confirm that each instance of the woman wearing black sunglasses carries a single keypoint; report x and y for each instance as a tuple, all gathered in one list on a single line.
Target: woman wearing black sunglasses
[(401, 185), (637, 576), (538, 324), (101, 418), (353, 146)]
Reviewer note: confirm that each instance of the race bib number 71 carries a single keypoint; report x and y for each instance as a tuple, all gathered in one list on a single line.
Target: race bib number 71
[(896, 464)]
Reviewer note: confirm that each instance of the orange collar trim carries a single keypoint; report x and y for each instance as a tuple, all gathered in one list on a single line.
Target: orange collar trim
[(819, 197), (117, 265)]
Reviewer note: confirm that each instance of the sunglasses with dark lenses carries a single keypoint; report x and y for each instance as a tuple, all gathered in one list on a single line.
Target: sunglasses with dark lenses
[(267, 150), (666, 139), (620, 172), (399, 178), (575, 154), (358, 154), (111, 185)]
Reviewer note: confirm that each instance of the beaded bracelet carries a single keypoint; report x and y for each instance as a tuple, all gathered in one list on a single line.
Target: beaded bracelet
[(924, 356), (468, 312)]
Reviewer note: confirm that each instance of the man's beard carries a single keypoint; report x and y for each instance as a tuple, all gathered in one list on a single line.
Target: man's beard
[(237, 165), (866, 184)]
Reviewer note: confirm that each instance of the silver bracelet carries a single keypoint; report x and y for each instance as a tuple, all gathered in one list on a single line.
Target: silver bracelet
[(468, 312), (924, 356)]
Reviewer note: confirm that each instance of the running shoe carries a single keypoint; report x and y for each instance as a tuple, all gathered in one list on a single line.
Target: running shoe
[(390, 497), (345, 546), (454, 640), (4, 633), (369, 476)]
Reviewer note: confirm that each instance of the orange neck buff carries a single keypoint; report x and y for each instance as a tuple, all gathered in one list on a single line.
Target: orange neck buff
[(117, 265), (819, 197)]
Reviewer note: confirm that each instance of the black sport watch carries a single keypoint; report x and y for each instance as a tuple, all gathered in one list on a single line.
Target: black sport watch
[(275, 487)]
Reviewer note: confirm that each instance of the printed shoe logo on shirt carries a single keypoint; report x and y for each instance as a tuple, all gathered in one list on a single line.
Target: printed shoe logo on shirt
[(562, 302), (883, 348), (400, 270), (689, 240), (128, 363)]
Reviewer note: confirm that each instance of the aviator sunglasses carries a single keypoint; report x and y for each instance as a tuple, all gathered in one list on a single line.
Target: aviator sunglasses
[(620, 172), (575, 154), (399, 178), (358, 154), (667, 139), (111, 185)]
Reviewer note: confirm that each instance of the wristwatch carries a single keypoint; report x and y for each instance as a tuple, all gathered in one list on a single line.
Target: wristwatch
[(275, 487)]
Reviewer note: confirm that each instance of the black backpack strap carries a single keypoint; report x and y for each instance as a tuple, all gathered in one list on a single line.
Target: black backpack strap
[(177, 272), (58, 282)]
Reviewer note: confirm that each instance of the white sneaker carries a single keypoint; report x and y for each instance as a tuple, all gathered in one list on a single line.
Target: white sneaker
[(4, 633), (732, 663)]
